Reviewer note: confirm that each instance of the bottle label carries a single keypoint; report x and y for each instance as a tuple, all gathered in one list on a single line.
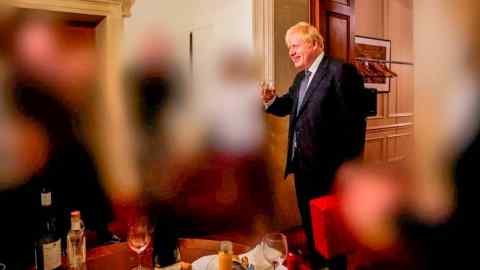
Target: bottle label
[(52, 255), (76, 249), (76, 225), (225, 261), (46, 199)]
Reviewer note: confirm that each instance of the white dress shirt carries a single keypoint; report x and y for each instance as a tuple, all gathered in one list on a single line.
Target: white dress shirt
[(313, 69)]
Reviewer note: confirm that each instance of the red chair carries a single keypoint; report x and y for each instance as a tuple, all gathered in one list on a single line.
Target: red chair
[(331, 236)]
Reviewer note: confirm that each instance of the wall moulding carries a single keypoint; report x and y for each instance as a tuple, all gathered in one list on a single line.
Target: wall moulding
[(127, 7), (263, 36), (90, 7)]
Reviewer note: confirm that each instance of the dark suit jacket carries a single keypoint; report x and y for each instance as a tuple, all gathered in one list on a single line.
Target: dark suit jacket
[(330, 124)]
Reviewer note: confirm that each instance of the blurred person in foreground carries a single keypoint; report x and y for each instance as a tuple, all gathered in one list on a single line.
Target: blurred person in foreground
[(234, 137), (154, 87), (200, 157), (327, 122), (235, 123), (428, 205), (49, 90)]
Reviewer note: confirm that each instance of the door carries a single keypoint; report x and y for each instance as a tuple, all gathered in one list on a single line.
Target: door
[(336, 21)]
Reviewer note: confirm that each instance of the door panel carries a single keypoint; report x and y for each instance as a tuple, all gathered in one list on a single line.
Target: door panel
[(336, 22)]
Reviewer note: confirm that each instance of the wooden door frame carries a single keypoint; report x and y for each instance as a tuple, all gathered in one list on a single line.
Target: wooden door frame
[(113, 148)]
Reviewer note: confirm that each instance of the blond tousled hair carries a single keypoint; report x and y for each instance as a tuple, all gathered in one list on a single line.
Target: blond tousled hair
[(308, 33)]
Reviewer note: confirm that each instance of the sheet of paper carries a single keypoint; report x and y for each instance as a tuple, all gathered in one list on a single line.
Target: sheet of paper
[(254, 256)]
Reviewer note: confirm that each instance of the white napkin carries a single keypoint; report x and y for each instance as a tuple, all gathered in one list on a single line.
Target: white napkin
[(255, 256)]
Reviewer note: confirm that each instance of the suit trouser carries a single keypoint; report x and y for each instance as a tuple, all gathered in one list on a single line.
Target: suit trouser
[(308, 187), (305, 192)]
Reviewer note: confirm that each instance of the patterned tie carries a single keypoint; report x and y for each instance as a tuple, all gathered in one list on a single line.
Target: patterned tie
[(303, 89), (301, 95)]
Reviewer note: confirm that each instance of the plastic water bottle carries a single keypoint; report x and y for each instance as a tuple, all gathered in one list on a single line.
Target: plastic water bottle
[(76, 242)]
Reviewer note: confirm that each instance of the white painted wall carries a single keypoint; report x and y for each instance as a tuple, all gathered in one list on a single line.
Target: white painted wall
[(218, 22)]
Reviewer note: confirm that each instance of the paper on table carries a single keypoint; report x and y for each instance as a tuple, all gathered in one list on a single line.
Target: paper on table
[(176, 266), (254, 256)]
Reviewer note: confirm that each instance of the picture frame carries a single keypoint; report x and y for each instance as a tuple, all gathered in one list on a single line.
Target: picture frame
[(378, 50)]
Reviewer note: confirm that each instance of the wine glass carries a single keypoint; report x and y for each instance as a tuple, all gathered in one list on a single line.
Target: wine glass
[(275, 248), (139, 231), (269, 84), (267, 87)]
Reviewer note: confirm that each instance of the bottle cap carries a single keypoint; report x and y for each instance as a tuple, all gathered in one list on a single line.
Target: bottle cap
[(75, 220), (226, 246), (75, 214)]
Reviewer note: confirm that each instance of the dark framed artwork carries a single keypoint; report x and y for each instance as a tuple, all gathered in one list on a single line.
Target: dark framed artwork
[(378, 51)]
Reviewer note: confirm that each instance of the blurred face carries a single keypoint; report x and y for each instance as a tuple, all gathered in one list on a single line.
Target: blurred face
[(36, 47), (302, 53)]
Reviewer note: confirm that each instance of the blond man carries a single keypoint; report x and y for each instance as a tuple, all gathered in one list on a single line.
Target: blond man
[(327, 119)]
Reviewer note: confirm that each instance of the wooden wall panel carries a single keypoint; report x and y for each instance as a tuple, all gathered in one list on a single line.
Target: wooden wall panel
[(399, 28), (388, 145), (401, 97), (391, 19), (370, 18), (374, 149), (398, 146), (287, 13)]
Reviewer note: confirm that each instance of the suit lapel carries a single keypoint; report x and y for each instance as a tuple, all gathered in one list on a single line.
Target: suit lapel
[(317, 79)]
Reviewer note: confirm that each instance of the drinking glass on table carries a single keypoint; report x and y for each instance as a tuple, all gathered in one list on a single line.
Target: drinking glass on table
[(139, 235), (275, 248)]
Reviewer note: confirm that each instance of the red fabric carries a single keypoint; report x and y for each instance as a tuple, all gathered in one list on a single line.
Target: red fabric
[(330, 234), (332, 238)]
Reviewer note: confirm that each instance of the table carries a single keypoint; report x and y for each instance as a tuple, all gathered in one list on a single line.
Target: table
[(191, 248), (119, 256)]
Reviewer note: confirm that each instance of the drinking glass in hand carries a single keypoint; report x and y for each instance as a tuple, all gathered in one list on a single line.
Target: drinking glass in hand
[(139, 237), (268, 90), (275, 248)]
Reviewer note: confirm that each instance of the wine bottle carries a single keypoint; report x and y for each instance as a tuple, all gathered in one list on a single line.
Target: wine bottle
[(48, 247), (165, 244)]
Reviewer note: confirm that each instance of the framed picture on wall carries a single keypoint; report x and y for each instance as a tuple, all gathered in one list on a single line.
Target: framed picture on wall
[(378, 51)]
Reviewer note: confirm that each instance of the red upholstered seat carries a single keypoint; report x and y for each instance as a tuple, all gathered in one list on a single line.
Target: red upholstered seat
[(333, 238), (330, 234)]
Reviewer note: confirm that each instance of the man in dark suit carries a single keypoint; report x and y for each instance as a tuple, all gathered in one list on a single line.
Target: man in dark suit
[(327, 119)]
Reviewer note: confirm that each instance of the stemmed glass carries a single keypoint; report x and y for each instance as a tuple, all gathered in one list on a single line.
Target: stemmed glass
[(267, 87), (275, 248), (139, 235)]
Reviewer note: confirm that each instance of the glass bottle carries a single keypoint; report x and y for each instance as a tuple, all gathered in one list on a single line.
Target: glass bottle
[(76, 242), (225, 256), (165, 244), (48, 247)]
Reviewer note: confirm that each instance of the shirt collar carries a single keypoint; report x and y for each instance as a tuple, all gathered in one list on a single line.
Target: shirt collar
[(314, 66)]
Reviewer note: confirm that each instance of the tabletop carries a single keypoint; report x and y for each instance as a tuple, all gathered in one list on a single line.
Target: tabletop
[(119, 256)]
